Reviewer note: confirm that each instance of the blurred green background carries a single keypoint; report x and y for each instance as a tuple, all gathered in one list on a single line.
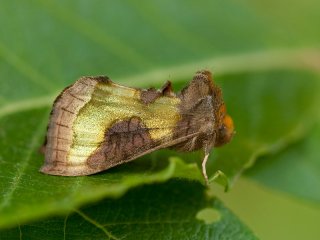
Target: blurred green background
[(264, 54)]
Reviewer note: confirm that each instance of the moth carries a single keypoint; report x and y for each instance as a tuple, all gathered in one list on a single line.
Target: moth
[(96, 124)]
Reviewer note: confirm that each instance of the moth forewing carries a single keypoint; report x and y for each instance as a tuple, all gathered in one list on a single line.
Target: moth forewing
[(96, 124)]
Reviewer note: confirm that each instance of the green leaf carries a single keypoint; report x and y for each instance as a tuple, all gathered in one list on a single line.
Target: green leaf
[(166, 211), (263, 208), (296, 170), (266, 71), (20, 179), (271, 110)]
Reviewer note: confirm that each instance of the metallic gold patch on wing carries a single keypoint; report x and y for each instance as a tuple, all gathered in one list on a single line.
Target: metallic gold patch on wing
[(111, 103), (161, 117)]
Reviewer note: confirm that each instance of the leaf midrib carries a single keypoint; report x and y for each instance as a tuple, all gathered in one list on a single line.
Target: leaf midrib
[(246, 62)]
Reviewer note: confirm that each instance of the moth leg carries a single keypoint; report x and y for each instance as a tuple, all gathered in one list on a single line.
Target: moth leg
[(193, 143), (204, 170), (207, 148)]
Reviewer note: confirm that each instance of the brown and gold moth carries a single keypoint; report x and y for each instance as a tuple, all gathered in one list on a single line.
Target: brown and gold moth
[(96, 124)]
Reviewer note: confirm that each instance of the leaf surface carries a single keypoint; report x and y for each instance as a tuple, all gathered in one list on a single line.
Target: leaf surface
[(267, 73), (296, 170), (160, 211)]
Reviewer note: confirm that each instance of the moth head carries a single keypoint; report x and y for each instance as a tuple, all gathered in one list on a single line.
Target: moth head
[(225, 128)]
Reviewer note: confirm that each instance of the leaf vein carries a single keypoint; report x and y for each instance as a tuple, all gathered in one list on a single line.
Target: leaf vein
[(97, 224), (250, 62)]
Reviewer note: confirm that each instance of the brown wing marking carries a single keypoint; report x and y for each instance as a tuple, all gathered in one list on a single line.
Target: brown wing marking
[(150, 95), (121, 140), (167, 89), (127, 140)]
